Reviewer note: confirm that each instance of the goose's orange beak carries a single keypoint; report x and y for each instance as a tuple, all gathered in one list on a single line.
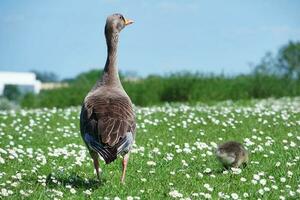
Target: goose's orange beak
[(128, 21)]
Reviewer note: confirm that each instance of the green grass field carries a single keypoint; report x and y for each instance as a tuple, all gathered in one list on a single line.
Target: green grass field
[(42, 155)]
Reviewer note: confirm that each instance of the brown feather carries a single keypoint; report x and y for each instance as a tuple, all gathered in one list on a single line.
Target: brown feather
[(114, 113)]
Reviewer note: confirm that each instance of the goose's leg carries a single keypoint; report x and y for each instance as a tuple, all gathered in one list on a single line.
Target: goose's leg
[(124, 166), (96, 164)]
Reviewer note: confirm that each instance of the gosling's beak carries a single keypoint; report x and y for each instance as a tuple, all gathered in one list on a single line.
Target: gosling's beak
[(128, 21)]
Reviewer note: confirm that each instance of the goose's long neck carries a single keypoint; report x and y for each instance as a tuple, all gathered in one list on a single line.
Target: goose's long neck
[(111, 75)]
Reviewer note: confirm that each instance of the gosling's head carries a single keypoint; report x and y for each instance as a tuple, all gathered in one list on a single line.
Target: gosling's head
[(226, 158), (115, 23)]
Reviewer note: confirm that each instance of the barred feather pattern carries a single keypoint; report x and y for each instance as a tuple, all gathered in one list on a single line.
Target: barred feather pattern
[(107, 116), (109, 154)]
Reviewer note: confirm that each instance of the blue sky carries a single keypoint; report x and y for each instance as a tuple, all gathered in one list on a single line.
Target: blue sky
[(66, 36)]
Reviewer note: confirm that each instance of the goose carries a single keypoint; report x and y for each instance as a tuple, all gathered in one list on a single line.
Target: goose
[(232, 154), (107, 119)]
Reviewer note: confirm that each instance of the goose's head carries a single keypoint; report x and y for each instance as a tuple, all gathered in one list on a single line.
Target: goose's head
[(115, 23)]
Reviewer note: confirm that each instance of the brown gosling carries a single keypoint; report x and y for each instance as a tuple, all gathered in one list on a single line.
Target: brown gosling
[(232, 154)]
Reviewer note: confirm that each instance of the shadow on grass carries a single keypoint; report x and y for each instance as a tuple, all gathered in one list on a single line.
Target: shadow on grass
[(214, 171), (73, 180)]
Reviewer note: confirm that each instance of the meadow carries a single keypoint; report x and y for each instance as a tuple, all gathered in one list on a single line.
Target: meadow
[(42, 155)]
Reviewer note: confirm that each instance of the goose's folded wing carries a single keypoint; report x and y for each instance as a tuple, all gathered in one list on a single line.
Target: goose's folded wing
[(114, 116)]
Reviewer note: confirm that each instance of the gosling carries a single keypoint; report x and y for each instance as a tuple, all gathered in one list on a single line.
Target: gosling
[(232, 154)]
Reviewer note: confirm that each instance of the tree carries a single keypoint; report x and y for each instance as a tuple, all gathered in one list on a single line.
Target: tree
[(45, 76), (12, 92), (285, 63), (288, 59), (266, 65)]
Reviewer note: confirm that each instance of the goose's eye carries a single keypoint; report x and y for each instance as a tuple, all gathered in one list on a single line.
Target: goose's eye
[(121, 17)]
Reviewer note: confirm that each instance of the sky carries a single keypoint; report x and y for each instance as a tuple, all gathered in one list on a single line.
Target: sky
[(207, 36)]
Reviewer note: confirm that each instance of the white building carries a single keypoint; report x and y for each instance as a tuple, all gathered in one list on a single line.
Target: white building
[(24, 80)]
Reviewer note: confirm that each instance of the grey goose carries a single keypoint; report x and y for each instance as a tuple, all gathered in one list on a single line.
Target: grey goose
[(107, 119)]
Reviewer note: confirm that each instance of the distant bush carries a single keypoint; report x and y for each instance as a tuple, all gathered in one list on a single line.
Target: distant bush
[(5, 104), (12, 93), (45, 76), (179, 87)]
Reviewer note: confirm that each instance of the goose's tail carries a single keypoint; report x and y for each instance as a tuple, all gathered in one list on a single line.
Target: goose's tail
[(109, 154)]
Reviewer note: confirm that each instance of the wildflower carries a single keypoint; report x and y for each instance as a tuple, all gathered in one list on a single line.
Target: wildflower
[(151, 163), (207, 170), (2, 161), (275, 187), (282, 179), (175, 194), (234, 195), (236, 170), (243, 179), (207, 186), (281, 197), (72, 190), (261, 191), (256, 177), (263, 181), (87, 192), (246, 194)]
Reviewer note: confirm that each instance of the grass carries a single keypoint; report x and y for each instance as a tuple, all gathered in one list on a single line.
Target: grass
[(42, 155)]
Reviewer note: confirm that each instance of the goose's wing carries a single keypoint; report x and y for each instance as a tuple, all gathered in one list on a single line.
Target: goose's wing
[(114, 117)]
